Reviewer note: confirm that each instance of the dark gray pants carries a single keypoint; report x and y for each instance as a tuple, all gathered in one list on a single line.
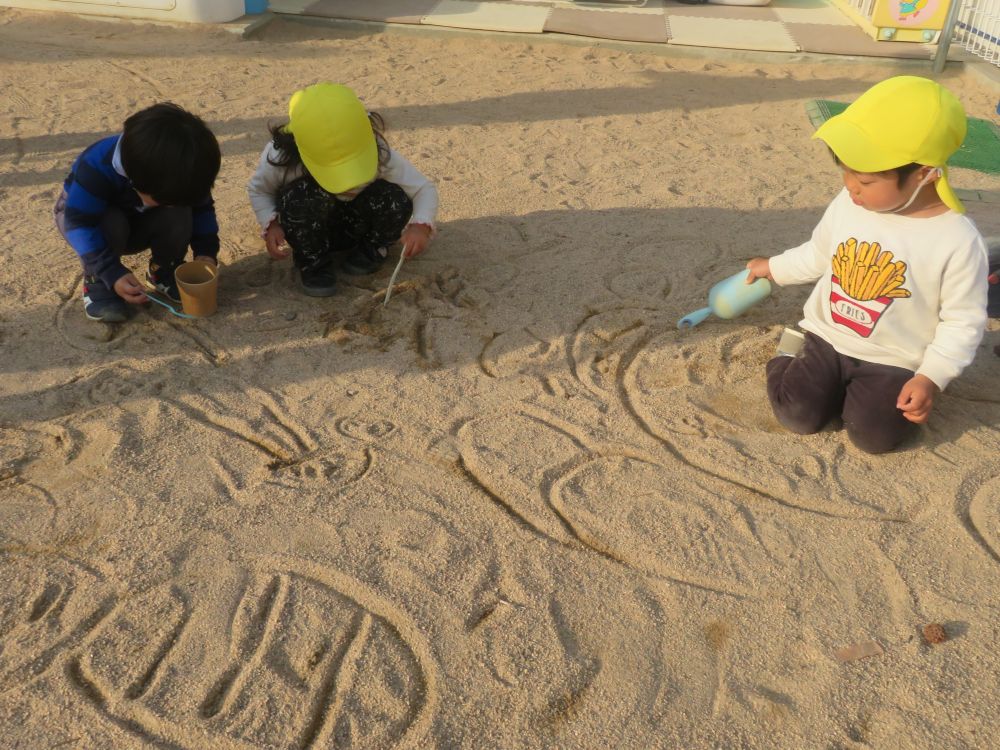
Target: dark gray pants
[(806, 392), (164, 230)]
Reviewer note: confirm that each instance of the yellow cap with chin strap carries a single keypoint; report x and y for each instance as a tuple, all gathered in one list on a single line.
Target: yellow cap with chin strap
[(334, 136), (900, 121)]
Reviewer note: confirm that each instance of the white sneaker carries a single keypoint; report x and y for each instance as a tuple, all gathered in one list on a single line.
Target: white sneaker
[(791, 343)]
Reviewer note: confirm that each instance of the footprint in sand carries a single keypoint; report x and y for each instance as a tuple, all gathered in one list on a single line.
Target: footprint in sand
[(654, 518), (495, 277), (119, 383), (271, 281), (18, 448), (325, 470)]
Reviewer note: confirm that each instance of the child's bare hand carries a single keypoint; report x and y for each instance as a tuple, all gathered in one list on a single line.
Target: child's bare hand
[(415, 239), (274, 240), (917, 398), (759, 268), (129, 289)]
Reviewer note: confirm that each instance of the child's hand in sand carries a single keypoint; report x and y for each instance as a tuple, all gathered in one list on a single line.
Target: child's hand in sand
[(415, 239), (274, 241), (759, 268), (129, 289), (917, 398)]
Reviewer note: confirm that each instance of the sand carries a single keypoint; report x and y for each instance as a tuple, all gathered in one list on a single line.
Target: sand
[(516, 508)]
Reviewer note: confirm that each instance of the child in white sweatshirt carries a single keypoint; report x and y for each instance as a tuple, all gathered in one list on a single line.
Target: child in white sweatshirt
[(330, 186), (899, 307)]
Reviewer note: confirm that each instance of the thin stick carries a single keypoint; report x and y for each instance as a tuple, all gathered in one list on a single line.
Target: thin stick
[(392, 279)]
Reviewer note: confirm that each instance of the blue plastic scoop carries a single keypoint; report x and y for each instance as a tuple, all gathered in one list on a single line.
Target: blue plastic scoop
[(729, 298)]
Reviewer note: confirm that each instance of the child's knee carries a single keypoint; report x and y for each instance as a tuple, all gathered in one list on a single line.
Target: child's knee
[(800, 418), (178, 224), (876, 441)]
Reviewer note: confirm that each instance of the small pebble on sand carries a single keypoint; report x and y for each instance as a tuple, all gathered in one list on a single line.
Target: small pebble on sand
[(934, 633)]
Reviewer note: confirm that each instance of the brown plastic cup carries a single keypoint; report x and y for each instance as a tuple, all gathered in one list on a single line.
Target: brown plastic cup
[(198, 283)]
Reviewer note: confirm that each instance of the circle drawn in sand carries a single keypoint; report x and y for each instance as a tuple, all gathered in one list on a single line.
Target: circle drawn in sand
[(640, 282), (367, 432), (89, 335)]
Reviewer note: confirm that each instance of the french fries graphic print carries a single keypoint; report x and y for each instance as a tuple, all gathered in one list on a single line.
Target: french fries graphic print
[(866, 280)]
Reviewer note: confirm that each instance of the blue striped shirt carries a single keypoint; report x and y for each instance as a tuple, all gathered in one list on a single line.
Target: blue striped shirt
[(96, 184)]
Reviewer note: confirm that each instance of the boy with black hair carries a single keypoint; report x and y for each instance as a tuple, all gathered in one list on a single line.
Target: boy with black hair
[(149, 187), (899, 305)]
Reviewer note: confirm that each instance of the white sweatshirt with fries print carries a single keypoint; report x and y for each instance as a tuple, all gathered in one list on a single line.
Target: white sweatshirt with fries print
[(891, 289)]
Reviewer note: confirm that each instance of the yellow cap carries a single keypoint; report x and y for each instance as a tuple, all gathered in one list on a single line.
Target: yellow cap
[(902, 120), (334, 136)]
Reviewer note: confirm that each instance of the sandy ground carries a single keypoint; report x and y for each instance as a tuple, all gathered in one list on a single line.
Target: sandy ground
[(517, 508)]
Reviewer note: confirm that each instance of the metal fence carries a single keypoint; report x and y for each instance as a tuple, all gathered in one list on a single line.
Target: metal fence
[(977, 28)]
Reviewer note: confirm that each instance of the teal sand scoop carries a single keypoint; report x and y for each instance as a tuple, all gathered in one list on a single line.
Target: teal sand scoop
[(729, 298)]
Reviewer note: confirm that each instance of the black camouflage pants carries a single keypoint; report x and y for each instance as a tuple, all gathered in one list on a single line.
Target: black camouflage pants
[(318, 225)]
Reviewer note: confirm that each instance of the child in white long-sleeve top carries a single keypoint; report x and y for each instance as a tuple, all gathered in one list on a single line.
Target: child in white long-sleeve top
[(329, 185), (899, 308)]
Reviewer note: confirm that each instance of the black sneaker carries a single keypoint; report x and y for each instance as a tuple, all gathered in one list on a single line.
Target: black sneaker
[(162, 278), (361, 262), (101, 303), (319, 282)]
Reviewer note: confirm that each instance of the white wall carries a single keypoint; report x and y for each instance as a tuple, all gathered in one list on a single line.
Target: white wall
[(198, 11)]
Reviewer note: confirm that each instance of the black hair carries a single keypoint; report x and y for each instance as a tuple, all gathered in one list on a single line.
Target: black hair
[(288, 152), (170, 154), (901, 172)]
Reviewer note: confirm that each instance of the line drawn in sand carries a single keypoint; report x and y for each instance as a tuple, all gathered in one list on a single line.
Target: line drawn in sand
[(83, 334), (86, 335), (707, 428), (600, 341), (46, 610), (567, 492), (314, 660), (295, 456), (977, 504), (28, 509)]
